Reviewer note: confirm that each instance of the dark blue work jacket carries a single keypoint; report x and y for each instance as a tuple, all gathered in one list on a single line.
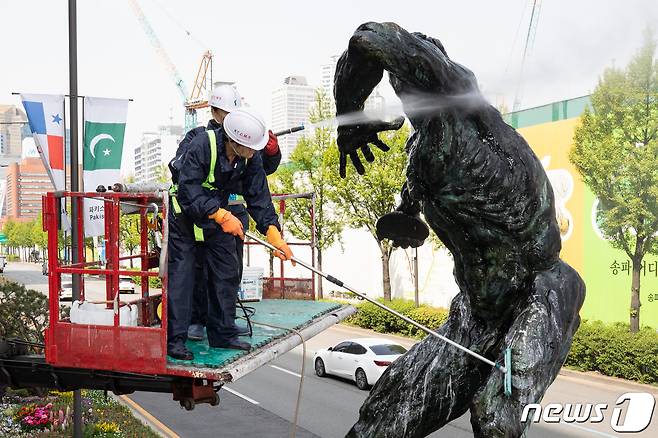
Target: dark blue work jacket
[(270, 162), (244, 177)]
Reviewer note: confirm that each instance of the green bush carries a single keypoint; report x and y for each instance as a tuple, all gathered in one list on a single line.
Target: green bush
[(372, 317), (610, 349), (613, 350), (13, 258), (430, 317), (24, 312), (154, 282)]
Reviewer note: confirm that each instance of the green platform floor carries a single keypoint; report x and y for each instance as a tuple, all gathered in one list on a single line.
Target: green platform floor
[(294, 314)]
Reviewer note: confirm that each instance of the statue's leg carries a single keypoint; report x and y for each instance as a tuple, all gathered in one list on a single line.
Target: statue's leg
[(540, 337), (432, 384)]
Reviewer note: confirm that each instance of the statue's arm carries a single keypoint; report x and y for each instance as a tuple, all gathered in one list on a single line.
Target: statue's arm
[(418, 61)]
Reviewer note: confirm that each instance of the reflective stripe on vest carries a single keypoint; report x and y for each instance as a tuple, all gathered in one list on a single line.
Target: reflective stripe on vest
[(210, 179), (173, 191), (198, 234)]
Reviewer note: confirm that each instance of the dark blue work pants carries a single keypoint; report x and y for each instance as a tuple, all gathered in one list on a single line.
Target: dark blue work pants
[(200, 300), (223, 271)]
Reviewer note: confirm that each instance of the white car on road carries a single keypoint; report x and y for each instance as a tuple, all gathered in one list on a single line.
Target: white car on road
[(126, 284), (362, 360)]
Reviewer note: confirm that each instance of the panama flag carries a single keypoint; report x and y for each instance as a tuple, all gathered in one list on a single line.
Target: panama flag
[(45, 113), (104, 125)]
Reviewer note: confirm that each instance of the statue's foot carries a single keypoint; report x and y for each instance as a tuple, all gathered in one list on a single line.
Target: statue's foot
[(404, 230)]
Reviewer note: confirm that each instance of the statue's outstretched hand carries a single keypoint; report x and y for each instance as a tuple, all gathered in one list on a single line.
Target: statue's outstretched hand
[(351, 138)]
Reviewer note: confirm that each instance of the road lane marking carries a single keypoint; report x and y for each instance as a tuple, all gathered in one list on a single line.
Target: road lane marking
[(143, 412), (286, 371), (587, 429), (242, 396)]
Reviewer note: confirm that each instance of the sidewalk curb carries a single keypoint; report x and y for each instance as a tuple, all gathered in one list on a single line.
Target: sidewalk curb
[(163, 431), (595, 377)]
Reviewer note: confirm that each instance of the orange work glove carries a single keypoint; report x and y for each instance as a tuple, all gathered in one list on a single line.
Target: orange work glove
[(274, 238), (229, 223)]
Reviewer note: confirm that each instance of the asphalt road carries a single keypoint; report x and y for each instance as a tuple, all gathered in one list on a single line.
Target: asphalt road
[(30, 275), (329, 406), (262, 403)]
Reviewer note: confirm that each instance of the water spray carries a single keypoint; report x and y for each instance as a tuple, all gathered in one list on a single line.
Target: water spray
[(411, 105), (506, 369)]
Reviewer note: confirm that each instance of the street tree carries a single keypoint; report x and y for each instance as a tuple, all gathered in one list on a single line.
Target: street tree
[(616, 152), (365, 198), (162, 173), (308, 171), (90, 243), (19, 236), (8, 231), (129, 234), (39, 236)]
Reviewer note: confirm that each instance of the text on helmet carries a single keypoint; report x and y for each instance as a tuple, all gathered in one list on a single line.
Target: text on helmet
[(241, 134)]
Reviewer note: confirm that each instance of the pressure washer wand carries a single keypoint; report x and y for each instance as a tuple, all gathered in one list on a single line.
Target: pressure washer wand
[(289, 130), (427, 330)]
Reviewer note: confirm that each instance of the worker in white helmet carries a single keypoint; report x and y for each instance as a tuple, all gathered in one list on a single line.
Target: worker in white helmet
[(222, 100), (216, 164)]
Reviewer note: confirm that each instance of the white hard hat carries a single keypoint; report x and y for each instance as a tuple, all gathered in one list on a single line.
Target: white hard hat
[(225, 97), (246, 126)]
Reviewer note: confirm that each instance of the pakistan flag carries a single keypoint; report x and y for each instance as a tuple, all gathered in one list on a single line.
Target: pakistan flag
[(105, 126)]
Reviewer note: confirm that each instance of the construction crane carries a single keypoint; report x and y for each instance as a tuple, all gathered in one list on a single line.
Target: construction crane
[(529, 42), (200, 90), (191, 101)]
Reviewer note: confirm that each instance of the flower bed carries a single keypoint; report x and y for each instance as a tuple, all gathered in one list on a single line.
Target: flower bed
[(24, 415)]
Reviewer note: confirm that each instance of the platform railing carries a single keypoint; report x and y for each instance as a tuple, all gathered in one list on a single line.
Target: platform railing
[(116, 346)]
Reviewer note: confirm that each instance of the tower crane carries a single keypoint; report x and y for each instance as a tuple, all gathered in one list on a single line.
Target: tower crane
[(194, 100)]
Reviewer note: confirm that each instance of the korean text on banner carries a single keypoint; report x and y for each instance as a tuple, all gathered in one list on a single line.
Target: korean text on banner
[(105, 125)]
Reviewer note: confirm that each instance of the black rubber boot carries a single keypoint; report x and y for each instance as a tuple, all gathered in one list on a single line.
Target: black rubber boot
[(179, 351), (233, 344)]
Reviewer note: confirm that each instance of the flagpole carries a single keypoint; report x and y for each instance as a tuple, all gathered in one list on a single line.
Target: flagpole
[(73, 108), (65, 166)]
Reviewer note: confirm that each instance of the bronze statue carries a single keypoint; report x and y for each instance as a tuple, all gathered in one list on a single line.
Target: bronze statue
[(485, 194)]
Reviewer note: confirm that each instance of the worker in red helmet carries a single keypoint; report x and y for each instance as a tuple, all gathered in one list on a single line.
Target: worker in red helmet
[(216, 164)]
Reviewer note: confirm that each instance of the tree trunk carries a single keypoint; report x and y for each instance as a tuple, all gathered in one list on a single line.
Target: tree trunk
[(131, 260), (320, 294), (635, 296), (386, 275)]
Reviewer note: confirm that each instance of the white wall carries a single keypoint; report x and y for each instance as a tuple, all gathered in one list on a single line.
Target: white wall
[(358, 264)]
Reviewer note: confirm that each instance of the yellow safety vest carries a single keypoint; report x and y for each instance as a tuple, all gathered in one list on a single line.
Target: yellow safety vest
[(210, 179)]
